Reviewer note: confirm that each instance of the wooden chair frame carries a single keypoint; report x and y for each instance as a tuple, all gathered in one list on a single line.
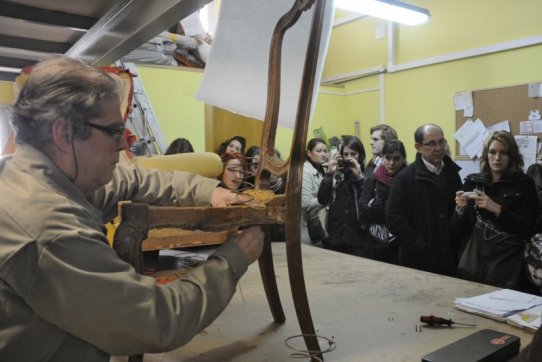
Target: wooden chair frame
[(136, 219)]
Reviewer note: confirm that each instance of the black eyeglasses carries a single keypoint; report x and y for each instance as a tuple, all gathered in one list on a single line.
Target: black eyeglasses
[(433, 144), (116, 133)]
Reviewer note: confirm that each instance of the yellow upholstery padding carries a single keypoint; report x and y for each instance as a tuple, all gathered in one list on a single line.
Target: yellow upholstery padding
[(206, 164)]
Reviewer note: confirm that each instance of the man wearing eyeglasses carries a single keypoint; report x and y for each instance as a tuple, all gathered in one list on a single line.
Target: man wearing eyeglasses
[(64, 293), (421, 202)]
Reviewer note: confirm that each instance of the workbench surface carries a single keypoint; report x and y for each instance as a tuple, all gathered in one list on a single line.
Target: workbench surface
[(370, 309)]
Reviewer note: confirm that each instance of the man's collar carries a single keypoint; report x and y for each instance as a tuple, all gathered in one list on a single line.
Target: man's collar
[(432, 168)]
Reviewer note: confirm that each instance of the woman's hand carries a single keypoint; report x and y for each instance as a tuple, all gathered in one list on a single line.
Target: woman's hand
[(461, 200), (485, 202), (356, 168), (332, 164)]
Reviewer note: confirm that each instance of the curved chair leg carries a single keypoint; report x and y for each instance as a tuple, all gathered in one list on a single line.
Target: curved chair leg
[(267, 271), (297, 284)]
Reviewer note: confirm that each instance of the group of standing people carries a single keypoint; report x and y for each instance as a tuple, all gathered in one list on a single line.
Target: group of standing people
[(430, 219)]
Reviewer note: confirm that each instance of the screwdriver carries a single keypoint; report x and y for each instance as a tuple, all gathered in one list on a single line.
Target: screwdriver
[(438, 321)]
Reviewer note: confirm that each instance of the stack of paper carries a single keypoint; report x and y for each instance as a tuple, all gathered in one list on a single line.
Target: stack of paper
[(499, 304), (529, 319)]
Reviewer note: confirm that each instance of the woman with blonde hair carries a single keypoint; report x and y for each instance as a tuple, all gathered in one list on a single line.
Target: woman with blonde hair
[(499, 200)]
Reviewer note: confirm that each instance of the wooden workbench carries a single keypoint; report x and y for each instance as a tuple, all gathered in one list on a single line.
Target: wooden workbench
[(370, 309)]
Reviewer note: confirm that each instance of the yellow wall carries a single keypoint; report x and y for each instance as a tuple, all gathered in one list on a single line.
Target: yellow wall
[(411, 97), (171, 93), (420, 95), (6, 93)]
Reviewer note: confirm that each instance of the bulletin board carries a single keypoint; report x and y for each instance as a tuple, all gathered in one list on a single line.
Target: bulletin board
[(499, 104)]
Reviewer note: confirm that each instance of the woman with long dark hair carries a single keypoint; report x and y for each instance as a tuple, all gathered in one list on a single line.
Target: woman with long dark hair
[(313, 173), (339, 190), (372, 202)]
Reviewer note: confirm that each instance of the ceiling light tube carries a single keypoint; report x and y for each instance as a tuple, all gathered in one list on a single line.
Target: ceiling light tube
[(391, 10)]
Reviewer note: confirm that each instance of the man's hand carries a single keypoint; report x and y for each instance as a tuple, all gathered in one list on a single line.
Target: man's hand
[(223, 197), (250, 241)]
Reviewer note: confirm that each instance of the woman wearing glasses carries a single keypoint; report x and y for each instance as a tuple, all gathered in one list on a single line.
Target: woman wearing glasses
[(500, 199)]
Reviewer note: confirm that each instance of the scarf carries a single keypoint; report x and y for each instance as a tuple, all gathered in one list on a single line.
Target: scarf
[(383, 176), (318, 167)]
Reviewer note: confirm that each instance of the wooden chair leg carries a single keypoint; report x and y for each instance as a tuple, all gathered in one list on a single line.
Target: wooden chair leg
[(267, 272), (299, 295)]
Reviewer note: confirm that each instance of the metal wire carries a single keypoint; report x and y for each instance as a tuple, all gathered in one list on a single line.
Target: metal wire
[(301, 353)]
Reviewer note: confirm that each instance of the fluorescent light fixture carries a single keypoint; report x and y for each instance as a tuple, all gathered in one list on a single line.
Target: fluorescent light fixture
[(10, 70), (391, 10)]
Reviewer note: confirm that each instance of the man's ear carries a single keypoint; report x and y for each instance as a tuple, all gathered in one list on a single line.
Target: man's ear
[(418, 147), (62, 134)]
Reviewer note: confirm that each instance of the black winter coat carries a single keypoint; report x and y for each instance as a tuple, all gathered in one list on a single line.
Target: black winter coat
[(342, 220), (518, 199), (375, 193), (418, 214)]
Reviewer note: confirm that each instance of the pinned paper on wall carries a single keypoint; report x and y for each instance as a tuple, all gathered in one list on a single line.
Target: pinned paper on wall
[(236, 74), (534, 115), (528, 149), (463, 101), (471, 136), (526, 127), (501, 126)]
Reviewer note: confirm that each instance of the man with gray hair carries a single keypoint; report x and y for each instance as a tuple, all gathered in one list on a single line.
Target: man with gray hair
[(420, 204), (64, 293)]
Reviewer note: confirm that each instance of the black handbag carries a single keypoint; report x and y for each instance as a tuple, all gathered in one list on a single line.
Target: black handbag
[(317, 223), (492, 256)]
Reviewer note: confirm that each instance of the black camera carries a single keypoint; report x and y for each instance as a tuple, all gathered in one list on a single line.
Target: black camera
[(342, 163)]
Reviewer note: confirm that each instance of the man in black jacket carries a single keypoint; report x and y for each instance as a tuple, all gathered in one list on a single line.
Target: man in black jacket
[(420, 204)]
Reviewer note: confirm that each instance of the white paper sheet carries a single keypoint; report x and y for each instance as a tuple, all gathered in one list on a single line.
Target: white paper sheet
[(192, 25), (500, 303), (471, 136), (236, 74), (501, 126), (463, 101), (526, 127), (528, 149)]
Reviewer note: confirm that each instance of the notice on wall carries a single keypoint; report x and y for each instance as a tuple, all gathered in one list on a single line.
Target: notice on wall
[(528, 149), (463, 101), (471, 137)]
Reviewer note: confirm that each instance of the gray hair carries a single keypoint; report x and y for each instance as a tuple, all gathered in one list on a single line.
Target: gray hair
[(60, 87)]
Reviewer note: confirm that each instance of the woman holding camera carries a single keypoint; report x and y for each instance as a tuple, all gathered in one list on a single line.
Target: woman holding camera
[(496, 210), (340, 189)]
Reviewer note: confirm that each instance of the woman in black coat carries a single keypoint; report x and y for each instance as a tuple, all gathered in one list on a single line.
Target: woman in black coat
[(340, 189), (372, 202), (500, 195)]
